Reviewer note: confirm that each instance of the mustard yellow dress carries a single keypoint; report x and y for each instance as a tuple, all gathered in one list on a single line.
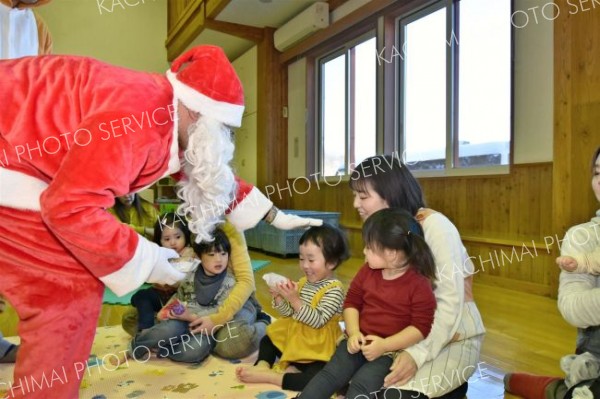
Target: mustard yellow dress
[(301, 343)]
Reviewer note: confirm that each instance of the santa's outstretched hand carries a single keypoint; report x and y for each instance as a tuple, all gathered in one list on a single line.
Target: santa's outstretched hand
[(283, 221), (163, 272), (251, 205)]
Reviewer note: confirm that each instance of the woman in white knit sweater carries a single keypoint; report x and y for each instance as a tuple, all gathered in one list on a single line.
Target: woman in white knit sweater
[(440, 365)]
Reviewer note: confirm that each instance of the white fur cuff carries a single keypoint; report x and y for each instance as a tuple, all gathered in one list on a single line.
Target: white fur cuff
[(20, 191), (250, 210), (135, 272)]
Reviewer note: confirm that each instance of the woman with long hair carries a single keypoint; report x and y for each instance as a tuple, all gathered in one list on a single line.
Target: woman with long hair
[(440, 365)]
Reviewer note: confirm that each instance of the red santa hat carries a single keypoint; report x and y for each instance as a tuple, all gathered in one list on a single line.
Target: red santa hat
[(208, 84)]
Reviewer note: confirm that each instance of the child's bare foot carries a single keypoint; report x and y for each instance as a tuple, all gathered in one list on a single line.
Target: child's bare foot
[(240, 371), (258, 374)]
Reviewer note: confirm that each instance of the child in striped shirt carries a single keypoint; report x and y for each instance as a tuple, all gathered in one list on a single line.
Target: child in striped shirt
[(305, 337)]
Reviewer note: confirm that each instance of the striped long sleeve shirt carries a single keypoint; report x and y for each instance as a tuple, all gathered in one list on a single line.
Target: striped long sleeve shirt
[(316, 317)]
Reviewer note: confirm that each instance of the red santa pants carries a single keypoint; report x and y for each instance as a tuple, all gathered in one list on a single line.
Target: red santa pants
[(58, 302)]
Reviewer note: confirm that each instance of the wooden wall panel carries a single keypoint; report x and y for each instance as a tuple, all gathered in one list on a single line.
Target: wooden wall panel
[(503, 220), (576, 113), (175, 10), (504, 206), (185, 21), (272, 137)]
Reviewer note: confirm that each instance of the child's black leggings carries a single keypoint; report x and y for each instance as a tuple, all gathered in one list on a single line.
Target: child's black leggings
[(269, 353)]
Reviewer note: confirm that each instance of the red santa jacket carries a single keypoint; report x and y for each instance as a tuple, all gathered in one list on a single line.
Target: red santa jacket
[(82, 132)]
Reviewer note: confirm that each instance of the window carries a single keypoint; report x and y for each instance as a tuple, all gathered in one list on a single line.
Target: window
[(455, 85), (424, 88), (484, 83), (347, 106), (444, 99)]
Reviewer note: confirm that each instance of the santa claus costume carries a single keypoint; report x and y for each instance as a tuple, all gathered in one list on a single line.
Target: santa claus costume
[(75, 133)]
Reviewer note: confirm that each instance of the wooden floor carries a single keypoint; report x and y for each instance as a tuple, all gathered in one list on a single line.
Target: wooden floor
[(525, 332)]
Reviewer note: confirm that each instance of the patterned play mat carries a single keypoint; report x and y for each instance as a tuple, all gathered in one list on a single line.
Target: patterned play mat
[(212, 379), (159, 378)]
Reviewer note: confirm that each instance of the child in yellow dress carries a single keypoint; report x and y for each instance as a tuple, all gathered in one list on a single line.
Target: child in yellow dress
[(305, 337)]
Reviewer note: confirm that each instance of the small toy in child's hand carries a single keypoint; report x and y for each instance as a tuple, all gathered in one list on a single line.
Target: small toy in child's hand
[(272, 279), (177, 307), (185, 264)]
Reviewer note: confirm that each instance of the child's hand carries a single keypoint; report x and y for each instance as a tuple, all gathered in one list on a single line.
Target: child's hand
[(277, 298), (166, 312), (355, 342), (288, 290), (185, 316), (204, 325), (567, 263), (274, 293), (373, 348)]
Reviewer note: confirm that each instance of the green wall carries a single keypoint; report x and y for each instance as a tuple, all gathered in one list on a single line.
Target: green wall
[(129, 33)]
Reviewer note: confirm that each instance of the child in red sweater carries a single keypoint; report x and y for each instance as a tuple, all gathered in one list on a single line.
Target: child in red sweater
[(389, 306)]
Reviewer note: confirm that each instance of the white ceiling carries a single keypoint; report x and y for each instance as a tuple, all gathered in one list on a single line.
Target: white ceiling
[(257, 13)]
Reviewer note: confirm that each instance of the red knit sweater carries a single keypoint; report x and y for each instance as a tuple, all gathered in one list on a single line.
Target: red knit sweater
[(388, 306)]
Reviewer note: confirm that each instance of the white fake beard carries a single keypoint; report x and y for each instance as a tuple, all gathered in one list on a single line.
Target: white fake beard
[(209, 184)]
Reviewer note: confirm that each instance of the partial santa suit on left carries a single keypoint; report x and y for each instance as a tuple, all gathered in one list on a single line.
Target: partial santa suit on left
[(82, 132)]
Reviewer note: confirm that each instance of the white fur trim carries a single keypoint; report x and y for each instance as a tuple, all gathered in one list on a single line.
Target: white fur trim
[(249, 211), (174, 163), (227, 113), (135, 272), (20, 191)]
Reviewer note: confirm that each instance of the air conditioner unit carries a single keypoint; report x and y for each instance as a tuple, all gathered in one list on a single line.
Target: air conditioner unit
[(308, 21)]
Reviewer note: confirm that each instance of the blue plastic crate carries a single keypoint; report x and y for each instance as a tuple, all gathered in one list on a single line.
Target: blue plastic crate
[(285, 242), (254, 237)]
